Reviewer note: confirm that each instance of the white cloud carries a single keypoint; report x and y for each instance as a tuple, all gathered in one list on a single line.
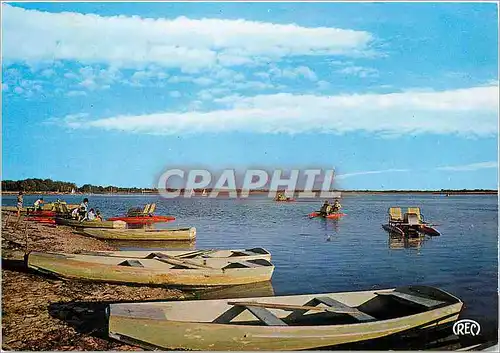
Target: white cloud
[(348, 175), (203, 81), (470, 167), (5, 87), (18, 90), (189, 44), (472, 111), (300, 71), (359, 71), (291, 73)]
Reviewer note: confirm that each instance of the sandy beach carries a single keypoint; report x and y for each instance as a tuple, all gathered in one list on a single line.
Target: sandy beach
[(47, 313)]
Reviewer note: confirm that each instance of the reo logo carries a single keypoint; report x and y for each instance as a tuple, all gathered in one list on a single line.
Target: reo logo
[(466, 327)]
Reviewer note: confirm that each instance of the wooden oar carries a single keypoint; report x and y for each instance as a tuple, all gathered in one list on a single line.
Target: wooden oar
[(197, 252), (290, 307)]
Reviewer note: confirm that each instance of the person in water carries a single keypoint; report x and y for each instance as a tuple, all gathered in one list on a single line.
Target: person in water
[(37, 204), (325, 208), (336, 206), (19, 203)]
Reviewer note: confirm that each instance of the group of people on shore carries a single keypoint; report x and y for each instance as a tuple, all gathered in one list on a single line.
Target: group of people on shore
[(327, 209), (81, 213)]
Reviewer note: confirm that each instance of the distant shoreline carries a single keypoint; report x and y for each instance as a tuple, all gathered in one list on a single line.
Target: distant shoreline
[(256, 192)]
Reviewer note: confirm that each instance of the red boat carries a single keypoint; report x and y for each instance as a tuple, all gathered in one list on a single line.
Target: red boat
[(41, 220), (143, 219), (330, 216), (42, 214)]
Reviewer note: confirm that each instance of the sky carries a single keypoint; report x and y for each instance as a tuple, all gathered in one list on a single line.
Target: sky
[(390, 95)]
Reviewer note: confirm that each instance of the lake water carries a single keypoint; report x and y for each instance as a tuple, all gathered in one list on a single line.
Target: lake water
[(354, 253)]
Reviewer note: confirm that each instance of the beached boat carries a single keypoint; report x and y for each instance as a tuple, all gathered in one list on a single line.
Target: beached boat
[(45, 207), (206, 256), (160, 269), (90, 224), (143, 219), (155, 244), (281, 323), (47, 220), (142, 234)]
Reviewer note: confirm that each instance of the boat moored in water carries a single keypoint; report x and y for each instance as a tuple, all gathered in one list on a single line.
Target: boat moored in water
[(336, 215), (411, 224)]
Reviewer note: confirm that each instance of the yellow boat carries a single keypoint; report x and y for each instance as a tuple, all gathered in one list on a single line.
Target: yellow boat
[(90, 224), (295, 322), (207, 256), (157, 269), (52, 206), (187, 234)]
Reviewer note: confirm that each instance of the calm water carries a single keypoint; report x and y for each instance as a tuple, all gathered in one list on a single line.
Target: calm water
[(354, 253)]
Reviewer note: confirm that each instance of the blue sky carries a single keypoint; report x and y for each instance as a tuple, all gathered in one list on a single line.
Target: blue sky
[(391, 95)]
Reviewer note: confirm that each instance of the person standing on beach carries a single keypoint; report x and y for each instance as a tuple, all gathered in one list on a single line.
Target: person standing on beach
[(19, 203), (83, 209), (37, 204)]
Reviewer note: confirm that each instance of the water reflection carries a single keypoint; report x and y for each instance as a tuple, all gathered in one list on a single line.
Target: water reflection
[(261, 289), (331, 228), (152, 245), (403, 242)]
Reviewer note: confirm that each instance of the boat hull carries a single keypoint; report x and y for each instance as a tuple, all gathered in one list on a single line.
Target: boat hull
[(155, 325), (429, 230), (186, 234), (330, 216), (143, 220), (108, 270), (393, 229), (90, 224)]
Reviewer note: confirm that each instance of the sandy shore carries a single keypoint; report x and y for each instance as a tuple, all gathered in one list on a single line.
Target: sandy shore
[(45, 313)]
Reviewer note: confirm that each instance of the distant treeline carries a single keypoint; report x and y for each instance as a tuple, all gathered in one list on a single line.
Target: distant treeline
[(48, 185)]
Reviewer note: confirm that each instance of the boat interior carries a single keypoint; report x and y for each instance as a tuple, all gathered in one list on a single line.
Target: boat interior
[(399, 303), (301, 310), (158, 261)]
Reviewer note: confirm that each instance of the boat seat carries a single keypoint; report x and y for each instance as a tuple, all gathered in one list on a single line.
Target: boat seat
[(266, 316), (395, 214), (242, 253), (260, 313), (335, 304), (249, 264), (416, 210), (412, 219), (414, 299), (131, 263)]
